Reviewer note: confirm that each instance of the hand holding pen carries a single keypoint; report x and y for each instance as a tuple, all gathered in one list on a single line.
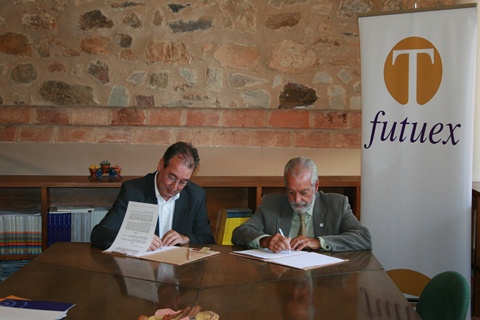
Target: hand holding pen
[(276, 243), (279, 242), (281, 233)]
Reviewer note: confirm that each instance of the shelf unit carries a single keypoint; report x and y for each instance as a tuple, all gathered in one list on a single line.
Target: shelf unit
[(222, 192)]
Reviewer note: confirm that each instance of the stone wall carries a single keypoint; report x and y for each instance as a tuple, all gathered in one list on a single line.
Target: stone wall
[(269, 73)]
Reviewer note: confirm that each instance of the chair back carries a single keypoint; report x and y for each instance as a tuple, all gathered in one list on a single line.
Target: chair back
[(445, 297), (410, 282)]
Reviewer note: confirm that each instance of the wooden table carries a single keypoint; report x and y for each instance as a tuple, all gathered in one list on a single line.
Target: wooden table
[(105, 286)]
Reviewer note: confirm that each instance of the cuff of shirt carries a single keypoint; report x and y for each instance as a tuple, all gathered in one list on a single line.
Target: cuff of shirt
[(324, 245), (255, 243)]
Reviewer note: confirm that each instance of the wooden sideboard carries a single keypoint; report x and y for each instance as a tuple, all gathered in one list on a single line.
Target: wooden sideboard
[(44, 192)]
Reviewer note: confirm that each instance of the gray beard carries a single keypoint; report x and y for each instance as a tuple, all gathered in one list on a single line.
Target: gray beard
[(303, 208)]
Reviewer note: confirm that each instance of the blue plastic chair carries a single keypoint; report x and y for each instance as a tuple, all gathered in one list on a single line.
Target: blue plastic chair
[(445, 297)]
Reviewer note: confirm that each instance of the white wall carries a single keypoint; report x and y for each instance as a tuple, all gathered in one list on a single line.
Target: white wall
[(74, 159)]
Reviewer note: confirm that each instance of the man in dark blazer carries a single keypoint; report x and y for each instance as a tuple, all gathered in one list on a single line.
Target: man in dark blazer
[(329, 222), (183, 215)]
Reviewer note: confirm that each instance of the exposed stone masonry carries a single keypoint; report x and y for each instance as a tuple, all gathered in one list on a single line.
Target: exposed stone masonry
[(279, 73)]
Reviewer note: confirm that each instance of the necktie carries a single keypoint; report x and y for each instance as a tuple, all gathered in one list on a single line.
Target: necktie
[(302, 231)]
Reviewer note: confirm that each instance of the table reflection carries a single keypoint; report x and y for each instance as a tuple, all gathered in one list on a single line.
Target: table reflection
[(296, 299)]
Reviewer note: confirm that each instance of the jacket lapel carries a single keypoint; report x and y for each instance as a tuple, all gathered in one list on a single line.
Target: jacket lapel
[(181, 207), (150, 196), (319, 212), (285, 220)]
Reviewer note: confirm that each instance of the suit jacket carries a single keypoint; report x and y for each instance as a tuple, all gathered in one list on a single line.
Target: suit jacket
[(332, 219), (190, 216)]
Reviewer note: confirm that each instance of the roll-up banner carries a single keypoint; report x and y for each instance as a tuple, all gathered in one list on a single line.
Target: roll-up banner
[(418, 74)]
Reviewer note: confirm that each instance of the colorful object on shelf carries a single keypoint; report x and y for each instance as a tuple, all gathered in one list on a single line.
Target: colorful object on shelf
[(105, 171), (105, 165), (117, 168), (230, 219)]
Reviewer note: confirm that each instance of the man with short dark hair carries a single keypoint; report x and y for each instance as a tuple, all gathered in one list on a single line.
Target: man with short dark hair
[(303, 218), (182, 216)]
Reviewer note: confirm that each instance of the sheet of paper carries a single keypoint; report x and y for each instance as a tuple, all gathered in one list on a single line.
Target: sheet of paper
[(308, 261), (266, 254), (161, 249), (137, 230), (295, 259)]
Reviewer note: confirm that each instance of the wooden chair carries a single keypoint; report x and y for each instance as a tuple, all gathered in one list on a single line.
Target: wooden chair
[(410, 282)]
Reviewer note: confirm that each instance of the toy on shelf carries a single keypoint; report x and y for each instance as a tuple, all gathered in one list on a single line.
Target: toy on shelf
[(105, 165), (105, 172)]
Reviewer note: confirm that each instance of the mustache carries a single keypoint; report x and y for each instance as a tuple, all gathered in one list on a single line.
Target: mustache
[(300, 206)]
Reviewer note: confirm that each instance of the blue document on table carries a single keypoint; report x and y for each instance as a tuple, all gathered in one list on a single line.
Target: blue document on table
[(36, 304), (21, 309)]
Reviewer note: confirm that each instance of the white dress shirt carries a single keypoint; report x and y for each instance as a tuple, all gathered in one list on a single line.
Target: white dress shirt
[(165, 211)]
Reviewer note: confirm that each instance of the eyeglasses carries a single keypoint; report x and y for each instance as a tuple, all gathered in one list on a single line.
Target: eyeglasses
[(173, 179)]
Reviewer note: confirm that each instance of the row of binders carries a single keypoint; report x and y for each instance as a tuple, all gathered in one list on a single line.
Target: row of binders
[(21, 230), (73, 223)]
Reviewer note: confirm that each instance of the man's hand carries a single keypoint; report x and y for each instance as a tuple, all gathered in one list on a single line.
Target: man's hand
[(302, 242), (276, 243), (156, 243), (172, 238)]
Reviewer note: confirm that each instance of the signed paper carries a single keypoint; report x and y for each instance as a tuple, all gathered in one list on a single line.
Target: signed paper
[(137, 230), (296, 259)]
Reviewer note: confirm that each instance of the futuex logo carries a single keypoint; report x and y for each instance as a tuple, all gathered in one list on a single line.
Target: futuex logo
[(412, 75)]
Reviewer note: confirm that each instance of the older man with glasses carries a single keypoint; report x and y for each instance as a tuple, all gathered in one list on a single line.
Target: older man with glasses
[(182, 213)]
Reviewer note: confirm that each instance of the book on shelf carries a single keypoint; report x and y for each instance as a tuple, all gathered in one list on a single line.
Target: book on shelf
[(230, 218), (304, 260), (59, 227), (20, 231), (79, 221), (73, 223)]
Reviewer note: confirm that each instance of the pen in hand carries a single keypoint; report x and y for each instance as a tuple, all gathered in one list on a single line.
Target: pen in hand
[(281, 232)]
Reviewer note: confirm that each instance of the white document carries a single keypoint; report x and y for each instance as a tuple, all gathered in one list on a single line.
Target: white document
[(266, 255), (296, 259), (161, 249), (308, 260), (137, 230)]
